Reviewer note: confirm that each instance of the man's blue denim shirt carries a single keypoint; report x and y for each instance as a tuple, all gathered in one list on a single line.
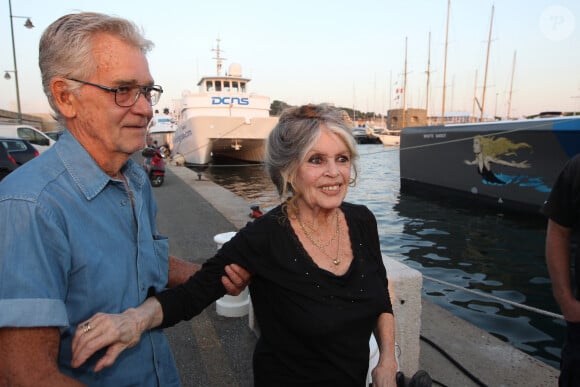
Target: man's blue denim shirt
[(73, 245)]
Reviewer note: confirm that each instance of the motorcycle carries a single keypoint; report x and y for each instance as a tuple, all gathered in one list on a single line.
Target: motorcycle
[(154, 165)]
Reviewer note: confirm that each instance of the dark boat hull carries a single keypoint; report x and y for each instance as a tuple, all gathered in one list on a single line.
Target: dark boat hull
[(510, 165)]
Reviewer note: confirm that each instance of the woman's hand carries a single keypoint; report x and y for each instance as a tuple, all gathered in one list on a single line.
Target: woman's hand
[(117, 331), (236, 279), (385, 375)]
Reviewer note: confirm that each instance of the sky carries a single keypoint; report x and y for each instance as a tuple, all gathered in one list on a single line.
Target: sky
[(348, 53)]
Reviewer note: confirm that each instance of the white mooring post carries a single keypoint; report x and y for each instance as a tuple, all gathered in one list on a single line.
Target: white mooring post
[(231, 306)]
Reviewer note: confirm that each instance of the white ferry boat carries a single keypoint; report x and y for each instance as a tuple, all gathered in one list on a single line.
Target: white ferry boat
[(162, 129), (223, 120)]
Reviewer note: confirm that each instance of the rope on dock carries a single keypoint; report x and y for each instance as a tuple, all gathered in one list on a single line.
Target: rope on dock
[(485, 295)]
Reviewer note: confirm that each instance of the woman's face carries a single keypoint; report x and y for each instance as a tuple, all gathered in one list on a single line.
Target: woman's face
[(322, 178)]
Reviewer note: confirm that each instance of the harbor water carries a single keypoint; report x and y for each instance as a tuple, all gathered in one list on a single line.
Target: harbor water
[(455, 247)]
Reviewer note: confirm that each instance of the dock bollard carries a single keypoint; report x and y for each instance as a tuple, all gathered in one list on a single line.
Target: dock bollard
[(405, 284), (231, 306)]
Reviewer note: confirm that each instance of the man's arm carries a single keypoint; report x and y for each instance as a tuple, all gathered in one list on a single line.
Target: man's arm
[(28, 357), (180, 271), (235, 280), (558, 261)]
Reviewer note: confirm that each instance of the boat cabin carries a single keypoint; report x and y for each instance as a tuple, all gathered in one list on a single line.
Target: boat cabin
[(222, 84)]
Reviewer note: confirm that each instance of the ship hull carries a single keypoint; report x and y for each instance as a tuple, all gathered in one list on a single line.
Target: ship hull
[(510, 166), (203, 139)]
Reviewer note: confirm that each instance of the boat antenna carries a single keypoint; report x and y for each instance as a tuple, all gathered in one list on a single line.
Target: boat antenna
[(218, 57)]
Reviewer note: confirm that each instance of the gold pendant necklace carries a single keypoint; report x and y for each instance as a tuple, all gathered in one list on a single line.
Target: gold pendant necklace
[(336, 260)]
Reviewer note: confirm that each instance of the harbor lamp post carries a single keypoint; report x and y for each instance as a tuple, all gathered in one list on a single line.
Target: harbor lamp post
[(28, 24)]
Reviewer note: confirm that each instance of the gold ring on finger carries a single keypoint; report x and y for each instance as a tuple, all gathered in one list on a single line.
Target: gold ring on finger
[(87, 327)]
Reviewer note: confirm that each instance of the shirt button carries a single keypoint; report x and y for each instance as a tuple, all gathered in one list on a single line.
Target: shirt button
[(123, 202)]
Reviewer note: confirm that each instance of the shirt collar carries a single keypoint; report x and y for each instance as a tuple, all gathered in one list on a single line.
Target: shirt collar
[(85, 172)]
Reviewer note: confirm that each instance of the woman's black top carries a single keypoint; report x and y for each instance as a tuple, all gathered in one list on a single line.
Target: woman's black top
[(315, 326)]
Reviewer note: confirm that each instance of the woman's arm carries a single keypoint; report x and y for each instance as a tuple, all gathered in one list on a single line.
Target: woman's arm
[(124, 330), (235, 280), (117, 331), (515, 164), (384, 374)]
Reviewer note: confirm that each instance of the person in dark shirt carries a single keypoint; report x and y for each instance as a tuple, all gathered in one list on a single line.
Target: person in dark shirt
[(563, 211), (319, 286)]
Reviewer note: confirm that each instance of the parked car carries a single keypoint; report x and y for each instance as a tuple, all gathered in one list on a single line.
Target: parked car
[(55, 135), (20, 149), (7, 163), (29, 133)]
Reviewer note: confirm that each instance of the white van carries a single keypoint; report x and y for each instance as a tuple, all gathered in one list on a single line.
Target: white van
[(34, 136)]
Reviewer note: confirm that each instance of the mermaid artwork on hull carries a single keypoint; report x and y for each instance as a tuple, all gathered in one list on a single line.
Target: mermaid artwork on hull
[(490, 150)]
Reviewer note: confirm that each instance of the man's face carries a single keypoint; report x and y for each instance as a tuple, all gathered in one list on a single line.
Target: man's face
[(103, 127)]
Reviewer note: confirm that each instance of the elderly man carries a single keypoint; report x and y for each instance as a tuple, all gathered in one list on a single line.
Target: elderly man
[(80, 234)]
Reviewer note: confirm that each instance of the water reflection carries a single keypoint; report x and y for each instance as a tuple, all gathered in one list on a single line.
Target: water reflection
[(492, 253)]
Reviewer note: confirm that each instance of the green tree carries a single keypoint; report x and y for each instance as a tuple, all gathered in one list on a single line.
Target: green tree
[(276, 107)]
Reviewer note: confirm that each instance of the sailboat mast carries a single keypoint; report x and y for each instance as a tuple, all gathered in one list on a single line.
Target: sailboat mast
[(509, 107), (472, 118), (486, 66), (445, 63), (428, 72), (405, 89)]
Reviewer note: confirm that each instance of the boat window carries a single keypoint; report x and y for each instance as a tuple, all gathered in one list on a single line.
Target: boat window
[(226, 85), (235, 86), (243, 86), (218, 85), (209, 85)]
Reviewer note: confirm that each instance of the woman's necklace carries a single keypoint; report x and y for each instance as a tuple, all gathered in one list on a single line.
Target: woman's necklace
[(323, 246)]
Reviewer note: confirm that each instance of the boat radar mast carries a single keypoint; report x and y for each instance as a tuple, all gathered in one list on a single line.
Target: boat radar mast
[(218, 57)]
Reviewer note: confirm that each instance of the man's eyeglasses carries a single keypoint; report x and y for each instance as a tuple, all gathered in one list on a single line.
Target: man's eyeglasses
[(127, 96)]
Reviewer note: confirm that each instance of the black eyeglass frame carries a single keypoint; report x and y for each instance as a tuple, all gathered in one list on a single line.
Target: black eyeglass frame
[(145, 90)]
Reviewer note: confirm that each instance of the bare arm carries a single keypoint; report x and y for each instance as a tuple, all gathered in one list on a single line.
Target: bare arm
[(558, 261), (384, 374), (28, 357), (235, 280), (515, 164), (117, 331), (180, 271)]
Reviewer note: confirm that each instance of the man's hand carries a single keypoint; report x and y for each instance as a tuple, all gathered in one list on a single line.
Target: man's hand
[(236, 279), (116, 332)]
